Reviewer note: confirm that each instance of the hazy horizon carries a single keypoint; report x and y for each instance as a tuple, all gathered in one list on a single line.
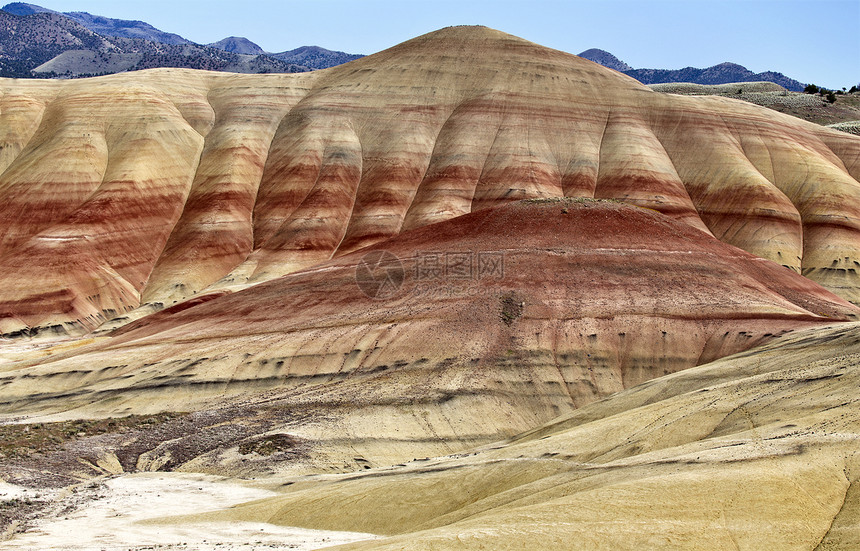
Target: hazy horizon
[(811, 41)]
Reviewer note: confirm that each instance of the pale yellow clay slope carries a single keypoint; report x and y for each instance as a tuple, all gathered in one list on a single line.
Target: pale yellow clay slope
[(156, 185), (755, 451)]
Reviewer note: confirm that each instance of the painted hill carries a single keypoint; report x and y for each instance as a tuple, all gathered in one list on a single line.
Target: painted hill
[(263, 189), (599, 295), (466, 292), (543, 306)]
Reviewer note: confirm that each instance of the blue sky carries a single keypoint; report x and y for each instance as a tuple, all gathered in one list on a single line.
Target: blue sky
[(809, 40)]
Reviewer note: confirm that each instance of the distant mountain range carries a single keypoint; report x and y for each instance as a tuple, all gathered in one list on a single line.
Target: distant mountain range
[(602, 57), (105, 26), (313, 57), (238, 45), (39, 42), (723, 73)]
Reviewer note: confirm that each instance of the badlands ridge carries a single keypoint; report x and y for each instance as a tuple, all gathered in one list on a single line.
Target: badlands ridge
[(612, 316), (149, 187)]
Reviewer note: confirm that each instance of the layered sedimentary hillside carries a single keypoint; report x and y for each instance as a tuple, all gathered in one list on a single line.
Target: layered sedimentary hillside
[(413, 255), (757, 451), (534, 309), (153, 186)]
